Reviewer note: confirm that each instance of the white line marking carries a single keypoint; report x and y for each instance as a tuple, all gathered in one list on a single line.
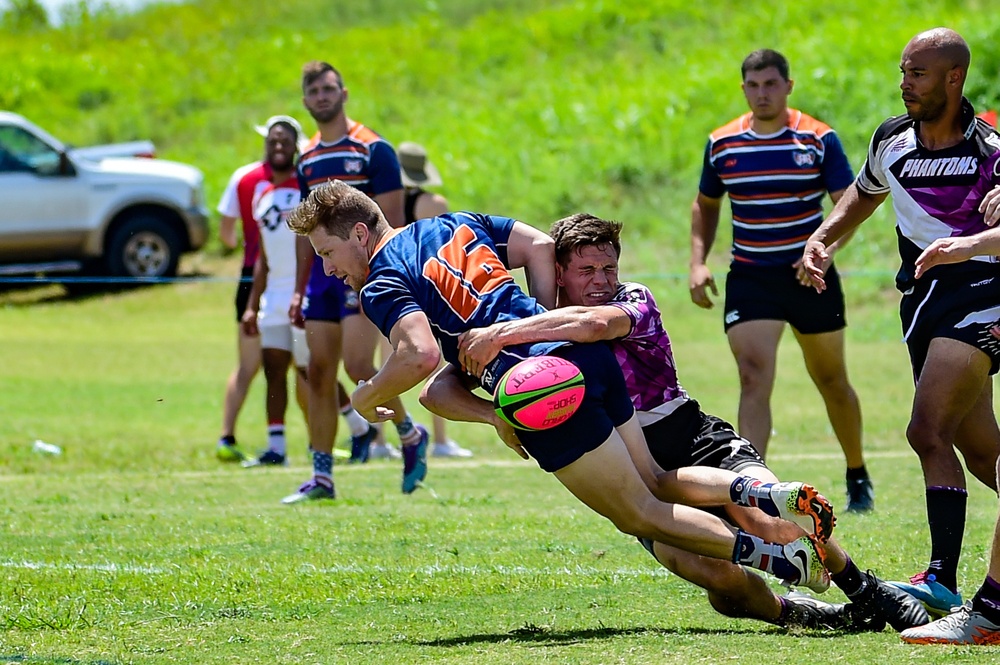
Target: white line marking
[(99, 567), (435, 465), (429, 571)]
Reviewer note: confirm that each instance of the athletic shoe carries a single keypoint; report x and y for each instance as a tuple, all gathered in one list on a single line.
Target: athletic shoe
[(802, 611), (936, 597), (229, 453), (383, 451), (810, 562), (267, 458), (449, 449), (963, 626), (361, 444), (311, 491), (802, 504), (882, 603), (415, 462), (860, 495)]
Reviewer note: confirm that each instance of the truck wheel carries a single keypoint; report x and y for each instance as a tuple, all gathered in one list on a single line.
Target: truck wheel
[(144, 246)]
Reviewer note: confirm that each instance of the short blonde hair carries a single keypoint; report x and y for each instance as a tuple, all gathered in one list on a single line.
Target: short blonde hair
[(335, 206)]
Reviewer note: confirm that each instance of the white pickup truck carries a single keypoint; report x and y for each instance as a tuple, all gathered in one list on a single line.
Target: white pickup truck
[(102, 210)]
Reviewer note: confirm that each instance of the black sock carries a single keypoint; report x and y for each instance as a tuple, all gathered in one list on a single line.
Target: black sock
[(860, 473), (228, 440), (849, 580), (946, 518), (987, 600)]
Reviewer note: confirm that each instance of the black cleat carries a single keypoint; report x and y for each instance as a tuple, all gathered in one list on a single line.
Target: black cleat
[(860, 495), (883, 602), (803, 611)]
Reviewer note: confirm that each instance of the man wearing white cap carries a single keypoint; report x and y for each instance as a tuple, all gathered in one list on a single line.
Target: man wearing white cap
[(237, 202), (266, 314)]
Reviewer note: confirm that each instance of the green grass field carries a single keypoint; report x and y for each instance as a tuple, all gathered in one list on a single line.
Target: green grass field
[(137, 546)]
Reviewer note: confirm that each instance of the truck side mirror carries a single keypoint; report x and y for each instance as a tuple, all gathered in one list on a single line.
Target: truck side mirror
[(66, 167)]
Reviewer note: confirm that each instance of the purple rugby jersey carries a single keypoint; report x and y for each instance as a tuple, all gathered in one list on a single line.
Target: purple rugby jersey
[(645, 356)]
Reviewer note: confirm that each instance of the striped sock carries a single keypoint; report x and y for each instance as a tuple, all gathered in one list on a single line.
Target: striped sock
[(987, 600), (747, 491), (409, 434), (276, 437), (753, 551)]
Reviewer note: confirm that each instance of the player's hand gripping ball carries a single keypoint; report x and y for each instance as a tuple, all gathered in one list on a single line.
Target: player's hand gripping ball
[(539, 393)]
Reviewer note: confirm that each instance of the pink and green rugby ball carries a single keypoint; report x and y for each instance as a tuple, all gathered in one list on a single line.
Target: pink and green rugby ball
[(539, 393)]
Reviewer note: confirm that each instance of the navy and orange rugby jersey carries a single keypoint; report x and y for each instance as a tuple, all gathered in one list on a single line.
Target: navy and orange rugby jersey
[(361, 158), (454, 269), (776, 184)]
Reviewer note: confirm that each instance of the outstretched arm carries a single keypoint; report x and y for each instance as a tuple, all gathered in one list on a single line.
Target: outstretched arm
[(958, 249), (414, 356), (854, 207), (479, 346), (448, 395)]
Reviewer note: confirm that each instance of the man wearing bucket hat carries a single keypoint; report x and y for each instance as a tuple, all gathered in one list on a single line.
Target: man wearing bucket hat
[(245, 185)]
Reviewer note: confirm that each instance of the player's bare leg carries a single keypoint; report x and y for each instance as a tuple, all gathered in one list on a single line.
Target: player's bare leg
[(237, 387), (361, 339), (606, 480), (324, 341), (755, 347), (823, 354)]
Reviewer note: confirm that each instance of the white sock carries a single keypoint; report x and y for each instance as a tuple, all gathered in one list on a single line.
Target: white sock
[(276, 438), (355, 422)]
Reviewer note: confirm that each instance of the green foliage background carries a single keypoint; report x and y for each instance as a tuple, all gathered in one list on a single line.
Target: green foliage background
[(531, 108)]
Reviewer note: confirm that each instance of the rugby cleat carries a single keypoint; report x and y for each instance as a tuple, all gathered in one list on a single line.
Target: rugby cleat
[(802, 611), (810, 562), (415, 462), (229, 453), (860, 495), (449, 448), (361, 446), (963, 626), (803, 505), (936, 597), (880, 602), (267, 458), (310, 491)]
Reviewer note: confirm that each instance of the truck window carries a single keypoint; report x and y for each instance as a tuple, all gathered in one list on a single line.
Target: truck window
[(22, 151)]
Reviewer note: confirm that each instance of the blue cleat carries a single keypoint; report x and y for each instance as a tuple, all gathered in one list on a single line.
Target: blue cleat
[(936, 597), (415, 462), (360, 446)]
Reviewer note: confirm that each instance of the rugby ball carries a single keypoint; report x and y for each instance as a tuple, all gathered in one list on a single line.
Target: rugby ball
[(539, 393)]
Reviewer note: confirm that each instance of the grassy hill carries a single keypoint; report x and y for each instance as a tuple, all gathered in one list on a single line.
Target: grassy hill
[(530, 108)]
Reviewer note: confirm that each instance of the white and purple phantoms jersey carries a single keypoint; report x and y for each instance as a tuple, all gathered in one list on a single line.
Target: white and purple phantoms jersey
[(645, 356), (935, 193)]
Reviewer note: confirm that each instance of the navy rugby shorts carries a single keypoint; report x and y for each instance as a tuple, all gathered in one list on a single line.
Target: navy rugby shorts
[(331, 300), (605, 405)]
